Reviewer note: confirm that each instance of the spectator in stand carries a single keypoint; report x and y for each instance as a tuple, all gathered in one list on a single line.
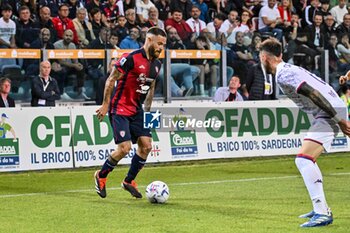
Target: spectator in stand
[(153, 20), (120, 29), (73, 5), (131, 41), (230, 27), (163, 7), (31, 4), (246, 25), (255, 47), (53, 5), (110, 12), (62, 23), (313, 40), (344, 51), (285, 10), (70, 66), (196, 24), (95, 67), (26, 29), (7, 28), (310, 12), (213, 27), (5, 88), (230, 93), (93, 4), (182, 28), (293, 35), (142, 37), (329, 27), (227, 6), (338, 64), (45, 89), (324, 10), (182, 74), (185, 7), (299, 6), (243, 58), (260, 85), (339, 11), (269, 19), (43, 42), (203, 7), (129, 4), (208, 68), (253, 7), (344, 27), (114, 40), (46, 22), (131, 19), (96, 21), (83, 28), (142, 10)]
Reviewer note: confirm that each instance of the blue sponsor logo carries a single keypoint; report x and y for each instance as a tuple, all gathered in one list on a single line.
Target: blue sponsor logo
[(152, 120), (340, 142)]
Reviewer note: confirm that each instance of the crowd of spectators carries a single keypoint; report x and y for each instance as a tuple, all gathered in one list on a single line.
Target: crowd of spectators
[(305, 28)]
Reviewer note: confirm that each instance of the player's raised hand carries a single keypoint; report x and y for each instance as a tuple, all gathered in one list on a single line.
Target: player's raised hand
[(101, 112), (343, 79), (345, 126)]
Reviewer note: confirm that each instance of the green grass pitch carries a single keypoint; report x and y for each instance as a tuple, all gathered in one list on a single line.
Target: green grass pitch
[(236, 195)]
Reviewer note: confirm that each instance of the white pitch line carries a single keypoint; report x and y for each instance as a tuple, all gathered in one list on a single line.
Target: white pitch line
[(174, 184)]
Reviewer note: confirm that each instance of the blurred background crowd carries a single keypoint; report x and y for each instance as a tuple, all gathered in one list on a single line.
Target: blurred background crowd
[(306, 29)]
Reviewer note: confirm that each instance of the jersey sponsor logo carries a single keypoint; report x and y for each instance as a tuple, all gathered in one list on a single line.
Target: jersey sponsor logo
[(143, 87), (151, 120), (143, 78), (142, 67), (122, 61)]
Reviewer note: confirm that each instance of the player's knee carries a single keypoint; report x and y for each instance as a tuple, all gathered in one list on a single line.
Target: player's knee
[(124, 148), (146, 149)]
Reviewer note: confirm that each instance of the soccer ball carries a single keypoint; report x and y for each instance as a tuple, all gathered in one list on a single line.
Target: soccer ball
[(157, 192)]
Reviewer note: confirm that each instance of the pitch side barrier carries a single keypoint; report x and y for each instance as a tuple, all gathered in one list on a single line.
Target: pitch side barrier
[(68, 137)]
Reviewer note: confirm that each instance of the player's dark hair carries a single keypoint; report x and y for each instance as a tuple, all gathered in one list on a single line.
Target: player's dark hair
[(156, 31), (272, 46)]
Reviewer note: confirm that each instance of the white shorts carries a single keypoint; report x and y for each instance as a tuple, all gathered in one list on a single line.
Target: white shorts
[(323, 131)]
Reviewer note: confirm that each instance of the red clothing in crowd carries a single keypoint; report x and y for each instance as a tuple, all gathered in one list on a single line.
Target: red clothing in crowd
[(61, 25), (181, 27), (289, 15)]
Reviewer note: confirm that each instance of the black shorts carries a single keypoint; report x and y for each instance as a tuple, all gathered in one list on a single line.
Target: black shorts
[(126, 128)]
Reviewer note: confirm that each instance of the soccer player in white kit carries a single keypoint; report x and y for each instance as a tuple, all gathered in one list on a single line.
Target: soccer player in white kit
[(311, 95)]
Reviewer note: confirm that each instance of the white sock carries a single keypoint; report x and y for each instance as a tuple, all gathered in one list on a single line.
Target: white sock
[(314, 183)]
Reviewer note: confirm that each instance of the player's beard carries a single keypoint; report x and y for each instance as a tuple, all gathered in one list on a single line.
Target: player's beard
[(153, 52), (268, 67)]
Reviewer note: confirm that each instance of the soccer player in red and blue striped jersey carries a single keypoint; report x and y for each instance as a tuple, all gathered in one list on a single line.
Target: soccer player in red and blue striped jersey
[(136, 73)]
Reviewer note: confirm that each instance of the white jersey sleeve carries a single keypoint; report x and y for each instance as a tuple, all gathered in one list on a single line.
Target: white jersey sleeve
[(290, 78)]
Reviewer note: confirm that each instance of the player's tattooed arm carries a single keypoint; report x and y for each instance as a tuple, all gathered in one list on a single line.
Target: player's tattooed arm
[(109, 86), (318, 99), (102, 111), (149, 98)]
